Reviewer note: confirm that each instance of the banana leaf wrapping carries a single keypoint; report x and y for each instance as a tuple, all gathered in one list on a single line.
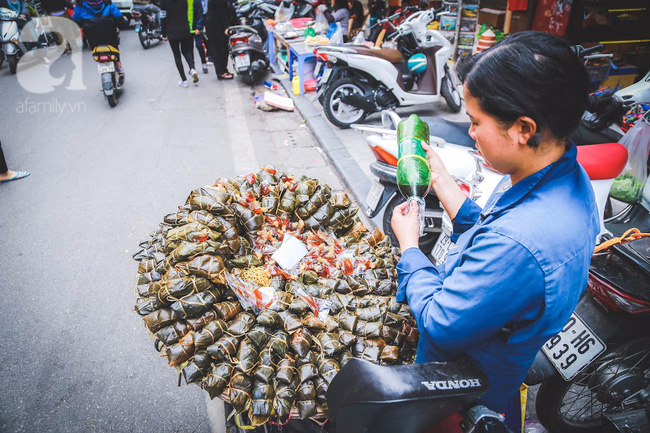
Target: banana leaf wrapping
[(212, 199), (193, 305), (306, 391), (392, 336), (306, 408), (167, 291), (287, 204), (328, 368), (149, 265), (259, 335), (394, 320), (321, 392), (205, 218), (270, 200), (197, 367), (370, 314), (261, 403), (246, 261), (182, 351), (192, 232), (224, 349), (171, 334), (248, 218), (340, 200), (359, 302), (217, 379), (309, 277), (298, 306), (285, 396), (159, 319), (312, 322), (279, 343), (268, 318), (148, 277), (286, 369), (301, 342), (348, 321), (310, 358), (346, 338), (210, 333), (329, 343), (149, 305), (412, 335), (344, 357), (198, 323), (241, 324), (265, 370), (317, 199), (239, 392), (390, 354), (368, 349), (247, 356), (307, 372), (291, 322), (320, 218), (227, 310), (357, 285), (368, 329), (186, 250), (208, 266)]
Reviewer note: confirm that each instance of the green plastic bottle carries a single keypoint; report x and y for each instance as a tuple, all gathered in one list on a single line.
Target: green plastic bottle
[(413, 169)]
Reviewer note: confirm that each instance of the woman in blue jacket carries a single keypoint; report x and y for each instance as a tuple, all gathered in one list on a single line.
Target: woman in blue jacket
[(519, 265)]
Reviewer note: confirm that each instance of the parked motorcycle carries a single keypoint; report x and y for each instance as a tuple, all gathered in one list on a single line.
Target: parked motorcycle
[(106, 57), (148, 24), (358, 81), (247, 52), (14, 47), (255, 13)]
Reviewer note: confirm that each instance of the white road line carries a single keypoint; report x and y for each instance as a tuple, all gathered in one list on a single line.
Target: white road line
[(240, 139)]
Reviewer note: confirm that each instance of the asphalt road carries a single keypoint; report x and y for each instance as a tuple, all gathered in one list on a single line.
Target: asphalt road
[(75, 357)]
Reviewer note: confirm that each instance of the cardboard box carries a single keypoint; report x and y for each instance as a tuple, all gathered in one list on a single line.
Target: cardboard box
[(492, 17)]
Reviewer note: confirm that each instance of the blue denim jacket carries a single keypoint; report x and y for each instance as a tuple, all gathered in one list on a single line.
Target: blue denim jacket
[(520, 264)]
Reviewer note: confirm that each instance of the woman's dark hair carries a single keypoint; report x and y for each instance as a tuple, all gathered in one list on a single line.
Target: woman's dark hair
[(340, 4), (531, 74)]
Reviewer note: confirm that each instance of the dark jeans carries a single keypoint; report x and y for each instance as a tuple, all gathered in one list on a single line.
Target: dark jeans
[(219, 51), (198, 40), (3, 163), (186, 46)]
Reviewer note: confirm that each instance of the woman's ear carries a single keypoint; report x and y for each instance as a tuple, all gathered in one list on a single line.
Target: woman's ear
[(525, 128)]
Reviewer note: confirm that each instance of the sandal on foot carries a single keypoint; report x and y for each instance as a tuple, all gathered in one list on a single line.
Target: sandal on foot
[(19, 175), (226, 76)]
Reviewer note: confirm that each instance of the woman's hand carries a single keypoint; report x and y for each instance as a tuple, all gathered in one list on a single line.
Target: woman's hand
[(449, 193), (405, 224), (438, 168)]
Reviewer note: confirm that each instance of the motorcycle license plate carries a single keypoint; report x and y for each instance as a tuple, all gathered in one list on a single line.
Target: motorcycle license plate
[(326, 75), (373, 197), (106, 67), (317, 69), (441, 249), (574, 348), (242, 61)]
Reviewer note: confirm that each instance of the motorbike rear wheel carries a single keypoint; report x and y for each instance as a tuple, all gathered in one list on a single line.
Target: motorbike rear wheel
[(112, 100), (2, 58), (13, 64), (427, 240), (144, 40), (339, 113), (580, 405), (450, 92)]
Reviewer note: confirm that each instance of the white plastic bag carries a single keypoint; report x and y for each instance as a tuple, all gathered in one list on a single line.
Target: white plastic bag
[(628, 186), (337, 37), (284, 13)]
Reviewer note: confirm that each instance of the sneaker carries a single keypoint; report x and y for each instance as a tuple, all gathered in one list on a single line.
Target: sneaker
[(195, 76), (205, 68), (183, 83)]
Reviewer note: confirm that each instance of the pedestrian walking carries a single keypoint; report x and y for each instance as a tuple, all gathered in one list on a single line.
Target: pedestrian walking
[(220, 16), (183, 21), (7, 175)]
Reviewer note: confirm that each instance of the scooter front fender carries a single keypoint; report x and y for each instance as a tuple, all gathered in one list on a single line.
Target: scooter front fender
[(107, 84), (10, 49)]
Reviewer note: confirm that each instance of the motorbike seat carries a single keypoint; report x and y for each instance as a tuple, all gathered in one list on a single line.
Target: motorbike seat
[(602, 161), (364, 397), (393, 56), (451, 132), (101, 49)]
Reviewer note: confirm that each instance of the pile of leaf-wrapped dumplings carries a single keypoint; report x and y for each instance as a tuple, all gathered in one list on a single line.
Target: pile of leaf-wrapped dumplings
[(267, 339)]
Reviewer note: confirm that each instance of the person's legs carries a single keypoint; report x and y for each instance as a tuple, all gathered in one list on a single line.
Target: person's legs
[(187, 47), (198, 41), (176, 49), (7, 175), (3, 163), (221, 56)]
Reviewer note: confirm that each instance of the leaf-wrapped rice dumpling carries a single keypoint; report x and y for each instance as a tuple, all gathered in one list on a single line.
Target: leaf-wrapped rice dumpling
[(270, 200), (210, 333), (218, 378), (265, 369), (307, 372), (169, 290), (268, 318), (368, 329), (193, 305), (290, 321), (306, 391), (247, 356), (186, 250), (208, 266), (320, 218), (344, 357), (348, 321), (390, 354), (192, 232), (148, 277), (197, 367), (259, 335), (393, 320), (328, 368), (347, 338), (159, 319), (286, 369), (412, 335), (149, 305), (261, 403), (329, 343), (182, 351), (306, 408), (279, 343), (212, 199), (205, 218), (227, 310), (239, 392), (317, 199), (248, 218), (298, 306), (224, 349), (287, 203), (241, 324), (370, 314), (310, 358), (171, 334), (392, 336), (301, 342), (312, 322), (154, 264), (285, 396), (197, 323), (368, 349)]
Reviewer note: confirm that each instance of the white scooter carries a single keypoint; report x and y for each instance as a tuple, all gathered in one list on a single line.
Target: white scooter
[(603, 162), (358, 80)]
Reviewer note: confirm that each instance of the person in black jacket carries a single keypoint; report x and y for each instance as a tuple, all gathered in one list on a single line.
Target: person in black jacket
[(183, 20), (220, 16)]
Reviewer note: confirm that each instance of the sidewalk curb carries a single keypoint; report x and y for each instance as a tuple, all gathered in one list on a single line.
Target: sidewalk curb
[(348, 169)]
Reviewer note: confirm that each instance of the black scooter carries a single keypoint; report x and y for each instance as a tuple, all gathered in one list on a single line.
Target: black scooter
[(247, 52), (149, 27)]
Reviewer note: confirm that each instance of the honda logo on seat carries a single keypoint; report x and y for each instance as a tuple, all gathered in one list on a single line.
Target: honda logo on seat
[(452, 384)]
